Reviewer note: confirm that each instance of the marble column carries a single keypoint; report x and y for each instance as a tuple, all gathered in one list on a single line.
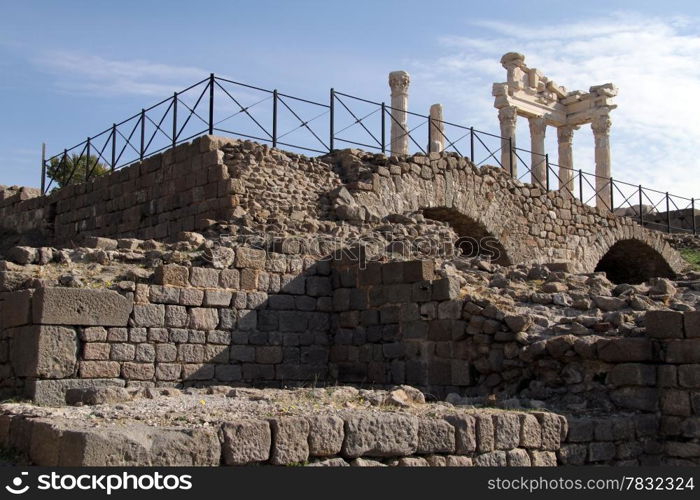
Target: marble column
[(399, 81), (565, 137), (508, 117), (601, 133), (437, 129), (538, 165)]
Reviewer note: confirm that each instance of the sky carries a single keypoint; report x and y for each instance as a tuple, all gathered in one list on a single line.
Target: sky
[(70, 69)]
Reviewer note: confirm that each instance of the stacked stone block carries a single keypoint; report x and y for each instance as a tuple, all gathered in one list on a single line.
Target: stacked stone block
[(159, 197), (678, 382), (479, 438), (625, 439)]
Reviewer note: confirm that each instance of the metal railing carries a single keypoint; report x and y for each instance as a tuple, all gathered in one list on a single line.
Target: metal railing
[(220, 105)]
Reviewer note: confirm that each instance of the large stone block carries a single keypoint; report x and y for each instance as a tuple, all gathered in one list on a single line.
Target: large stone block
[(530, 432), (45, 441), (465, 433), (40, 351), (664, 324), (689, 376), (326, 433), (551, 430), (507, 433), (203, 318), (146, 315), (172, 274), (380, 435), (139, 445), (290, 440), (435, 436), (633, 374), (246, 442), (53, 392), (636, 398), (491, 459), (625, 350), (15, 309), (446, 289), (418, 270), (251, 258), (683, 351), (691, 324), (81, 307), (485, 433)]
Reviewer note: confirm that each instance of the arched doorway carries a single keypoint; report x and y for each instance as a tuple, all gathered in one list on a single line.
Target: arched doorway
[(474, 239), (633, 261)]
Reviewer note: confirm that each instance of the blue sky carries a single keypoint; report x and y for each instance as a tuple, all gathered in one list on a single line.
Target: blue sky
[(70, 69)]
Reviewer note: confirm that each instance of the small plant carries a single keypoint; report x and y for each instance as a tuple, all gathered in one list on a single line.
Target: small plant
[(692, 255)]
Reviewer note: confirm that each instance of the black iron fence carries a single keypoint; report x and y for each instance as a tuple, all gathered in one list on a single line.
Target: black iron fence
[(223, 106)]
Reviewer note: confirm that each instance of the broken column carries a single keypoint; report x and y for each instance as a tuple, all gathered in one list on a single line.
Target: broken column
[(399, 81), (565, 137), (508, 118), (538, 165), (437, 130), (601, 133)]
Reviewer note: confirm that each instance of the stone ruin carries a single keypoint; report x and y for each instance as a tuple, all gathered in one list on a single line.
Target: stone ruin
[(527, 92), (236, 304)]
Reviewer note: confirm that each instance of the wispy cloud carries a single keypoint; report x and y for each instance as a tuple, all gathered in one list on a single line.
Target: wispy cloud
[(653, 61), (76, 72)]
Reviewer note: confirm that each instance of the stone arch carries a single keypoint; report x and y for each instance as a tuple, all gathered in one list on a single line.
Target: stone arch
[(474, 237), (633, 261)]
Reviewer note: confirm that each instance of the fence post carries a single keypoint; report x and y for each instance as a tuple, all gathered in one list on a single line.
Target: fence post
[(211, 104), (143, 134), (383, 128), (580, 184), (612, 203), (274, 118), (174, 119), (546, 166), (668, 215), (332, 111), (43, 168), (114, 146), (692, 210), (641, 214), (430, 134), (87, 160), (471, 144), (510, 155)]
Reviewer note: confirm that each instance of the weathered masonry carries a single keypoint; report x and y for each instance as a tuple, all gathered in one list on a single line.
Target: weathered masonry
[(185, 188), (545, 103), (380, 324)]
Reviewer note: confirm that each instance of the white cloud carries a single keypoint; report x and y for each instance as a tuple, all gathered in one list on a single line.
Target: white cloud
[(75, 72), (653, 61)]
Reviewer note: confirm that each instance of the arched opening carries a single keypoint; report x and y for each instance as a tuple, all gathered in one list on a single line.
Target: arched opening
[(474, 239), (632, 261)]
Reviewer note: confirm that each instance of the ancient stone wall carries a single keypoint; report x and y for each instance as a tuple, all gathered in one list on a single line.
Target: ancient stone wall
[(157, 198), (220, 179), (528, 223), (480, 438), (275, 320)]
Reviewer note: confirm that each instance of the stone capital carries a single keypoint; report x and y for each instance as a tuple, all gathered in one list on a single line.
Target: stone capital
[(508, 114), (399, 81), (600, 124), (565, 134), (538, 126)]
